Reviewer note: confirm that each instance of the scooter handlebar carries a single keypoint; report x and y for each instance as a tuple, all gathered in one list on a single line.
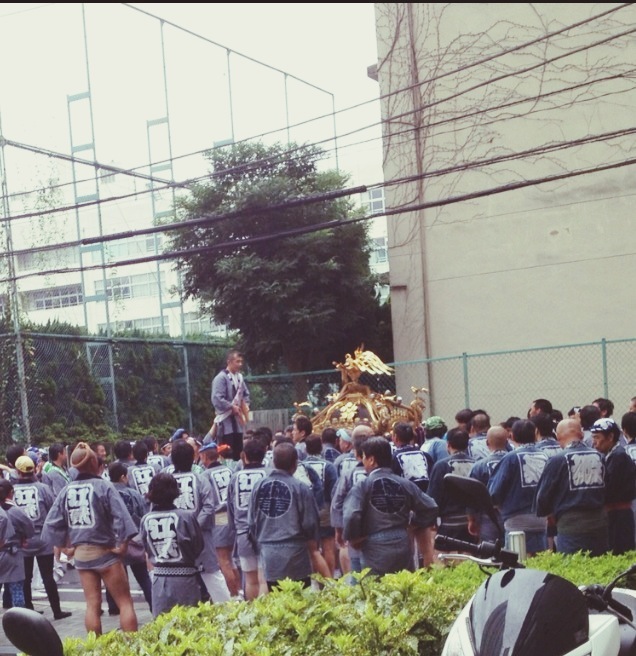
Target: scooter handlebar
[(482, 550)]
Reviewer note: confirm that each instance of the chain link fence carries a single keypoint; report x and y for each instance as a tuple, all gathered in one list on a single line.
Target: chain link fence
[(77, 386), (503, 383)]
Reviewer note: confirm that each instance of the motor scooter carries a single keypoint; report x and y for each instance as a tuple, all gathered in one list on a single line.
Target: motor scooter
[(519, 611)]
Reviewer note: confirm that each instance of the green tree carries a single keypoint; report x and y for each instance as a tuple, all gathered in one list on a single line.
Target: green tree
[(300, 301)]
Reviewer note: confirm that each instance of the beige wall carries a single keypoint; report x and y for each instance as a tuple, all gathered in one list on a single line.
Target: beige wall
[(546, 265)]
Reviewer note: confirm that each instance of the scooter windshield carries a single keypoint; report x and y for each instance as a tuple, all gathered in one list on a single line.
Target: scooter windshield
[(527, 612)]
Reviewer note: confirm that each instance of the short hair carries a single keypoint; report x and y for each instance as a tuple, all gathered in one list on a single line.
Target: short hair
[(544, 424), (122, 450), (116, 471), (231, 354), (151, 442), (182, 455), (304, 424), (628, 424), (95, 445), (359, 437), (329, 436), (458, 439), (6, 488), (509, 422), (163, 490), (480, 421), (285, 457), (464, 416), (588, 414), (265, 434), (543, 405), (556, 415), (140, 451), (254, 451), (605, 405), (380, 449), (404, 432), (13, 453), (55, 450), (524, 431), (314, 445)]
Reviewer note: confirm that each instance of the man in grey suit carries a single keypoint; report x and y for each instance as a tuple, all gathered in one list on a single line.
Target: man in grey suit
[(230, 398)]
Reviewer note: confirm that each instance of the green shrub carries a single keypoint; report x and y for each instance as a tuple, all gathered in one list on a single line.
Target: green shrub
[(404, 614)]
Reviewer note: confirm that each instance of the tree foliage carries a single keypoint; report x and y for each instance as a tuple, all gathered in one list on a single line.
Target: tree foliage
[(302, 300)]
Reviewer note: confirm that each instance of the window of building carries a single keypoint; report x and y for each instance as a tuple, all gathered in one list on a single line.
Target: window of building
[(373, 201), (145, 284), (148, 325), (133, 247), (198, 325), (61, 257), (379, 253), (56, 297)]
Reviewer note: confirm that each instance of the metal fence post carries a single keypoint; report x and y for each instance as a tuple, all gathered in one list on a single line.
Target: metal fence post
[(186, 369), (604, 360), (466, 386)]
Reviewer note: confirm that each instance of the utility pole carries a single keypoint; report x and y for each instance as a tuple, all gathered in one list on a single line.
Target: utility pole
[(13, 294)]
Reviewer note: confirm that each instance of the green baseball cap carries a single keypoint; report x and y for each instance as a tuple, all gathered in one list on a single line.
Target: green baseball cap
[(434, 422)]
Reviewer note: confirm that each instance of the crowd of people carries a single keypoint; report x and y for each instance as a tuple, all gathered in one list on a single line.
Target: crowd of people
[(230, 514)]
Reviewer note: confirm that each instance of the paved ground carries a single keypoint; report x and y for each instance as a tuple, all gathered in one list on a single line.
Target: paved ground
[(73, 600)]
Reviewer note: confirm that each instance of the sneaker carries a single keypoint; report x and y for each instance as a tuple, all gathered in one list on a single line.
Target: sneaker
[(39, 594), (61, 615)]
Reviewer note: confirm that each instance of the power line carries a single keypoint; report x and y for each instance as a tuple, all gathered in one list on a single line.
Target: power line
[(507, 157), (507, 51), (281, 156), (411, 129), (209, 219), (205, 220), (175, 255), (504, 76), (356, 106)]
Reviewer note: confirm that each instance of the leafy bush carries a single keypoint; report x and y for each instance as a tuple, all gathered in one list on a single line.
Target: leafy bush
[(404, 614)]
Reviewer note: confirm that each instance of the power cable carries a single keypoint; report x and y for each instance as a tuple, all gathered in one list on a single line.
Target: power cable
[(358, 105), (209, 219), (175, 255)]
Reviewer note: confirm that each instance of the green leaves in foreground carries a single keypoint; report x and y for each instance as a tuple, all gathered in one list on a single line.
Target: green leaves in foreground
[(404, 614)]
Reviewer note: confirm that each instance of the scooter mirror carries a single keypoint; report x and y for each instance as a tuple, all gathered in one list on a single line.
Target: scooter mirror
[(31, 633)]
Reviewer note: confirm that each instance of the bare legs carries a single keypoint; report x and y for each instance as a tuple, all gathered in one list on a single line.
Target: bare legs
[(116, 583)]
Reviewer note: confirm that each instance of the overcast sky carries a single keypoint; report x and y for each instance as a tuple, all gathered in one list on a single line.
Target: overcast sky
[(327, 45)]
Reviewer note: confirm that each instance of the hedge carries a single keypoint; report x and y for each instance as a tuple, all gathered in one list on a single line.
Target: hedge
[(403, 614)]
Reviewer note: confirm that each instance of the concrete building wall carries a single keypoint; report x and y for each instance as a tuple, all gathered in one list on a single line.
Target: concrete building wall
[(543, 265)]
